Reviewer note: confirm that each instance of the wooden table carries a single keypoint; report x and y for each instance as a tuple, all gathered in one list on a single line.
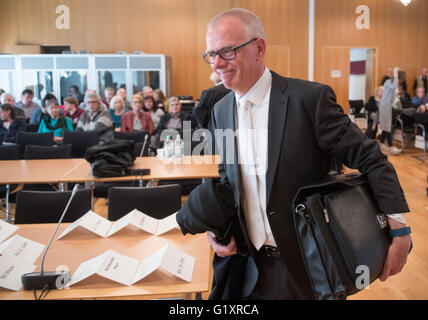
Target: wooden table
[(61, 171), (82, 245)]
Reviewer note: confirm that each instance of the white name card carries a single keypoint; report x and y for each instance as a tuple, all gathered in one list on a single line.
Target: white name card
[(6, 230), (127, 271), (11, 271), (21, 249), (105, 228)]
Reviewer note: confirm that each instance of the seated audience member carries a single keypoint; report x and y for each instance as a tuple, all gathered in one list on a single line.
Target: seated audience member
[(137, 119), (72, 109), (420, 99), (404, 97), (151, 107), (121, 92), (74, 91), (421, 81), (161, 101), (108, 95), (96, 118), (7, 98), (9, 124), (53, 121), (27, 104), (37, 115), (117, 110), (84, 105), (402, 76), (175, 118), (148, 91), (372, 107)]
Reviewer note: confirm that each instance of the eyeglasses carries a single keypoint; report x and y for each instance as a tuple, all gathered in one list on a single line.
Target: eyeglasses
[(228, 53), (92, 102)]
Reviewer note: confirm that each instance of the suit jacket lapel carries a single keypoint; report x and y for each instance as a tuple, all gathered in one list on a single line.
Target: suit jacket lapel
[(276, 123)]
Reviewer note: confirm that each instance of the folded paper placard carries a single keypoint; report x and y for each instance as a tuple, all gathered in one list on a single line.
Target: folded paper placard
[(127, 271), (21, 249), (6, 229), (105, 228), (11, 271)]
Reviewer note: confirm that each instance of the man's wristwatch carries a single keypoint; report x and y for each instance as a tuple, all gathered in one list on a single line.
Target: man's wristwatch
[(400, 232)]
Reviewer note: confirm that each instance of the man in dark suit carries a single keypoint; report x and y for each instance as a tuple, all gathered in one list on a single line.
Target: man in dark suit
[(206, 103), (299, 127)]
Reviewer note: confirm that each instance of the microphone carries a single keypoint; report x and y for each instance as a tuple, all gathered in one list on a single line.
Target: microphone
[(144, 145), (50, 279)]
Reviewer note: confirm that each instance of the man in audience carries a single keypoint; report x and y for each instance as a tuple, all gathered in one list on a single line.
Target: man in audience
[(71, 105), (421, 81), (7, 98), (27, 104), (38, 113), (95, 118), (207, 101), (148, 91), (84, 105), (108, 95), (74, 91), (121, 92), (420, 99)]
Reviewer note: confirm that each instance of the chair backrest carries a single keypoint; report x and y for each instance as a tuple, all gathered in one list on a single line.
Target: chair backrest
[(32, 127), (41, 152), (157, 202), (1, 138), (38, 139), (10, 152), (47, 206), (356, 106), (136, 136), (80, 140)]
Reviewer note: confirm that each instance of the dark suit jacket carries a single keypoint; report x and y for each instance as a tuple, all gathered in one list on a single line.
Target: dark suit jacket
[(306, 129), (14, 127), (206, 103)]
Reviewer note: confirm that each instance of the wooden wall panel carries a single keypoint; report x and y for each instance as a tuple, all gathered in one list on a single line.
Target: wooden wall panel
[(172, 27), (398, 33)]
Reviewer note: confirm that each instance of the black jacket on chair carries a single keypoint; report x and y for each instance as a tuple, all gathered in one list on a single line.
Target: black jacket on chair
[(306, 129)]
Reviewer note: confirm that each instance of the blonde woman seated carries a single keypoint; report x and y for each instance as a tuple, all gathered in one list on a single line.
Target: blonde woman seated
[(117, 110), (137, 119)]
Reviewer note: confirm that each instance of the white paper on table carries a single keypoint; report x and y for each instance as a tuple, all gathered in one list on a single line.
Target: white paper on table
[(144, 222), (119, 268), (92, 222), (11, 271), (126, 270), (6, 229), (22, 249), (167, 224)]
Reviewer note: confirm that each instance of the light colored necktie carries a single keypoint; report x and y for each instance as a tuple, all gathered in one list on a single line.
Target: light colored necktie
[(252, 209)]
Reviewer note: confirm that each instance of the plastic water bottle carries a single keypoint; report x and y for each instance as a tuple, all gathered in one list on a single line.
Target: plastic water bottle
[(178, 147), (168, 148)]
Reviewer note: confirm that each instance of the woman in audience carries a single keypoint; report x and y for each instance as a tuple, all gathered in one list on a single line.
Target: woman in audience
[(71, 105), (117, 110), (161, 101), (137, 119), (9, 124), (385, 112), (151, 107), (96, 118), (372, 107), (53, 121)]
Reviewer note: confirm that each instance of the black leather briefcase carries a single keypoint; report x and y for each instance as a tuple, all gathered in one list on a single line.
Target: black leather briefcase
[(343, 237)]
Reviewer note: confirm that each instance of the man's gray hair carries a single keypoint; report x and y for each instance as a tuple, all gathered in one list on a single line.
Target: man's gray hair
[(3, 97), (92, 95), (253, 25)]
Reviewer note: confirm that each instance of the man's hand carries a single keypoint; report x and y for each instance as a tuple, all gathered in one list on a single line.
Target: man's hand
[(397, 253), (223, 251)]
